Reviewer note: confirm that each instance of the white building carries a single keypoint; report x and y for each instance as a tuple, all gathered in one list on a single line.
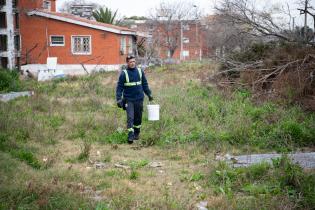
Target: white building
[(9, 34)]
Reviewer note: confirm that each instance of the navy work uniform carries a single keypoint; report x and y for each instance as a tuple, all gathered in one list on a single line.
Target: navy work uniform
[(131, 85)]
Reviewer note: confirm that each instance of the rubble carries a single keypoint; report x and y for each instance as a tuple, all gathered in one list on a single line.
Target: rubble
[(305, 160), (202, 205), (120, 165), (10, 96), (155, 164)]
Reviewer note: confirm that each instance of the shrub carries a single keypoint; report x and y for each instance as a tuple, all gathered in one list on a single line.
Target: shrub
[(9, 81)]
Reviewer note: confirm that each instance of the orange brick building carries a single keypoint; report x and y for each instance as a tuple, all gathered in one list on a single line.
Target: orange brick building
[(79, 44), (189, 36)]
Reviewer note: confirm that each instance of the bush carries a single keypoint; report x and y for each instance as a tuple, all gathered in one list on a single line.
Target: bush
[(9, 81), (254, 52), (26, 156)]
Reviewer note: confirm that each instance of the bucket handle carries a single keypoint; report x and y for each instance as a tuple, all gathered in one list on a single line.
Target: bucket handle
[(153, 102)]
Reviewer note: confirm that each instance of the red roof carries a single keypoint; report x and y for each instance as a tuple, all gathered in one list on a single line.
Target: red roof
[(84, 20)]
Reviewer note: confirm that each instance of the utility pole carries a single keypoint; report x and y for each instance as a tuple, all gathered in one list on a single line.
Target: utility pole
[(181, 40), (198, 40), (305, 20), (306, 12)]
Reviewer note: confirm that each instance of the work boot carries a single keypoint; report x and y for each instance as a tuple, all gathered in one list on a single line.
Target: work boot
[(131, 137), (137, 133), (137, 136)]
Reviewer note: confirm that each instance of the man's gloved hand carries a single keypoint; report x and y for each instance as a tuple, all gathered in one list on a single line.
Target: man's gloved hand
[(150, 98), (120, 103)]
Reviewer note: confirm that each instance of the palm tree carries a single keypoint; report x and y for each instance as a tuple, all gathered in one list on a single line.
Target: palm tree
[(105, 15)]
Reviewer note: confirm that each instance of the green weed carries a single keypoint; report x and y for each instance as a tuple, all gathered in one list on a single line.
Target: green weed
[(282, 178)]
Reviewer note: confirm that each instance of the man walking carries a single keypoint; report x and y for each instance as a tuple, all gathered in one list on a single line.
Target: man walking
[(129, 95)]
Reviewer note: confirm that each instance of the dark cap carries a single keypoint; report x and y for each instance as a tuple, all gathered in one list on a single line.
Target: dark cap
[(129, 57)]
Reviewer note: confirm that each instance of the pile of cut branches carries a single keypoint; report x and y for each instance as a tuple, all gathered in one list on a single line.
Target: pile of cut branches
[(292, 78)]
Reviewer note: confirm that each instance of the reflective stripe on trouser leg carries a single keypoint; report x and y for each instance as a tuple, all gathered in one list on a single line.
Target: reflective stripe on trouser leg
[(137, 129), (138, 116), (138, 109), (130, 116)]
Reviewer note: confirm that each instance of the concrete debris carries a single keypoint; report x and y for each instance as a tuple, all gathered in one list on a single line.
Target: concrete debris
[(223, 158), (100, 165), (121, 165), (202, 205), (155, 164), (170, 184), (305, 160), (10, 96)]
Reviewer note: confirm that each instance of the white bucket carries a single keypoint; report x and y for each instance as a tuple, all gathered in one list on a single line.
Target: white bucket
[(153, 112)]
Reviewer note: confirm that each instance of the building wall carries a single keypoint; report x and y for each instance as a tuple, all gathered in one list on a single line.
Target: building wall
[(27, 5), (36, 32), (9, 50), (196, 35), (83, 10)]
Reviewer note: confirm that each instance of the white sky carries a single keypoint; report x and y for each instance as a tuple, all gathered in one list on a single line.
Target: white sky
[(143, 7), (139, 7)]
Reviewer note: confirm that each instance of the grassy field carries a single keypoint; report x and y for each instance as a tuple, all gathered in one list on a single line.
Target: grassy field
[(51, 142)]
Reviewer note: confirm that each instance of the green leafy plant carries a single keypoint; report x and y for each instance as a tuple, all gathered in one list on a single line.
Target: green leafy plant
[(106, 15)]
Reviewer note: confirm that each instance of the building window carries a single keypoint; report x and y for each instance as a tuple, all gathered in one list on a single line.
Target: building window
[(2, 3), (186, 40), (17, 42), (123, 46), (57, 40), (168, 53), (4, 62), (15, 3), (130, 47), (186, 53), (47, 5), (3, 43), (81, 45), (17, 20), (186, 27), (3, 20)]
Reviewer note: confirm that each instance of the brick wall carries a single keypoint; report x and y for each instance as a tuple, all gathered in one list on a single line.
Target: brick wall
[(36, 32)]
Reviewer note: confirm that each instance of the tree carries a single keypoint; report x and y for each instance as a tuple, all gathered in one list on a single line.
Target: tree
[(136, 18), (105, 15), (256, 22), (167, 21)]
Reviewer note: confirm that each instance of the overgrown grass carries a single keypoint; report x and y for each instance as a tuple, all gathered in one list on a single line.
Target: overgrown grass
[(203, 114), (82, 112), (21, 189), (190, 112), (282, 179)]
